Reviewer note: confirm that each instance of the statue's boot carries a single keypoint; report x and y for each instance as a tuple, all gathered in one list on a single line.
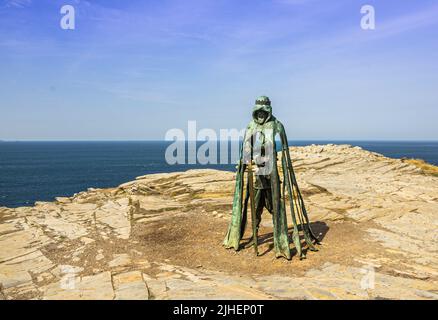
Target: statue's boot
[(251, 240)]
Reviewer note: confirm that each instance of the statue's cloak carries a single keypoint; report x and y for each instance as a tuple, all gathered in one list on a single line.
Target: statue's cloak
[(282, 189)]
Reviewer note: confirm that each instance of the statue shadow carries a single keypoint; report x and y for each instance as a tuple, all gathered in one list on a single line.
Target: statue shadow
[(319, 228)]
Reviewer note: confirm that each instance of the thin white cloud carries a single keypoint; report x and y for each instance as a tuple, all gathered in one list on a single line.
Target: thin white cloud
[(384, 30), (294, 2), (425, 17), (18, 3)]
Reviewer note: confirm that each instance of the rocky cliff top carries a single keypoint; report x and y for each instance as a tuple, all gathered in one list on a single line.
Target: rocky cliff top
[(159, 237)]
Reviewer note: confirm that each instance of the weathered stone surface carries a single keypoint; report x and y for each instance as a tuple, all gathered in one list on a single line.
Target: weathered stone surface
[(17, 244), (157, 288), (55, 224), (95, 287), (120, 261), (159, 237), (18, 270), (130, 286)]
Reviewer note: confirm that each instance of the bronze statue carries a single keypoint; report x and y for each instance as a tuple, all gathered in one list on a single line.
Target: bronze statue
[(258, 157)]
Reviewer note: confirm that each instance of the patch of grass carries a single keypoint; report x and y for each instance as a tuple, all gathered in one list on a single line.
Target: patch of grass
[(427, 168)]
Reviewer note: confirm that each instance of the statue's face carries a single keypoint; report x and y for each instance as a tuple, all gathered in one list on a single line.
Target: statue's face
[(261, 116)]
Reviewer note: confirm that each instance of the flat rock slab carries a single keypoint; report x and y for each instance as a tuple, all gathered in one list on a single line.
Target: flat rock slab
[(130, 286), (96, 287)]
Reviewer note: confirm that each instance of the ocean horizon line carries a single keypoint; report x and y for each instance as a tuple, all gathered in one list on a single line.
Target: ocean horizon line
[(162, 140), (42, 170)]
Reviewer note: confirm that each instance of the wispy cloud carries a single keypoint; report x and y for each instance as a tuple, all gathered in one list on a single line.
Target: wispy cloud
[(425, 17), (385, 29), (342, 40), (134, 91), (18, 3), (294, 2)]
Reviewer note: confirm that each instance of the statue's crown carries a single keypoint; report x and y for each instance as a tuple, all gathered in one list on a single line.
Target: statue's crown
[(263, 101)]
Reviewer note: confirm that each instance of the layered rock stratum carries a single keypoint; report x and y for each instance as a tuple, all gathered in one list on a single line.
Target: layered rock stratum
[(160, 237)]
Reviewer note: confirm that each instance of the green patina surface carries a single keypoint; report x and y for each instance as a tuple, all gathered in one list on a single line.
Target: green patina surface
[(269, 191)]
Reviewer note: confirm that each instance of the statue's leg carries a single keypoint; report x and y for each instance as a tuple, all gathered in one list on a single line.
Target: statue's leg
[(268, 200), (244, 214), (259, 205)]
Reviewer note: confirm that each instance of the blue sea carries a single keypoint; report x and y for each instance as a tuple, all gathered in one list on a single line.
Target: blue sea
[(41, 171)]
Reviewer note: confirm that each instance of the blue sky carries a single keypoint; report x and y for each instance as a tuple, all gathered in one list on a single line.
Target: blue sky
[(134, 69)]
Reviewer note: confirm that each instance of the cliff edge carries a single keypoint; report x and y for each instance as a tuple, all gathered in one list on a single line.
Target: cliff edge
[(160, 237)]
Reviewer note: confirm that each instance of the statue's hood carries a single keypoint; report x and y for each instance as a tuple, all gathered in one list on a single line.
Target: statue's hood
[(265, 108)]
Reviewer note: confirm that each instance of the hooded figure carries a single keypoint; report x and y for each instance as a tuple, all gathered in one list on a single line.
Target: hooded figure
[(269, 191)]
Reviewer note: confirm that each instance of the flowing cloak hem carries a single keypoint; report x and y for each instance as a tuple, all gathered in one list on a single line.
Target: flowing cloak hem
[(236, 227), (233, 236), (297, 206)]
